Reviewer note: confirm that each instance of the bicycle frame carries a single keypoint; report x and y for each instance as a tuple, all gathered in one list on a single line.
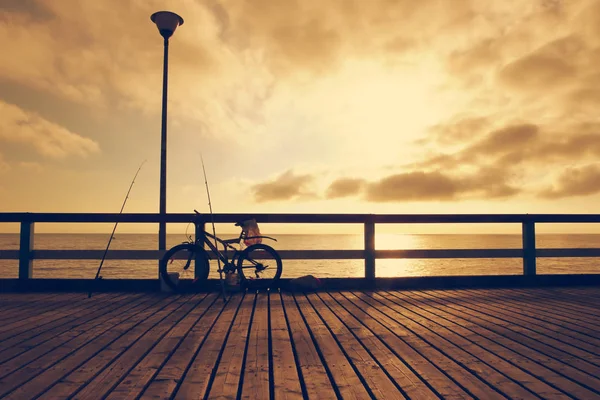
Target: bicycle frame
[(209, 240), (227, 246)]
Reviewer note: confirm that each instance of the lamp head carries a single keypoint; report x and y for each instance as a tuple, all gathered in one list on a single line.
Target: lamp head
[(166, 22)]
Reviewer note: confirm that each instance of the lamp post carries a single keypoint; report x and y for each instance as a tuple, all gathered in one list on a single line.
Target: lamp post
[(166, 22)]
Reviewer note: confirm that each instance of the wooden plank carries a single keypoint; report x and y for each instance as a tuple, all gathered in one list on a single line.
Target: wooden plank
[(467, 376), (120, 357), (393, 337), (590, 293), (286, 380), (24, 354), (409, 383), (543, 367), (12, 304), (570, 305), (348, 382), (41, 324), (571, 355), (45, 334), (511, 380), (23, 305), (202, 343), (544, 310), (205, 361), (134, 382), (541, 305), (317, 384), (586, 316), (585, 297), (374, 375), (231, 365), (423, 344), (46, 370), (49, 311), (257, 366), (523, 315), (481, 346)]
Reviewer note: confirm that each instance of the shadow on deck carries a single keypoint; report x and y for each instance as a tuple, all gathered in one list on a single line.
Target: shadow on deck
[(419, 344)]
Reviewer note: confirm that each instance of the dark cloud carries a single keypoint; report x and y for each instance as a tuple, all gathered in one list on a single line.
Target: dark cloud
[(438, 186), (412, 186), (459, 130), (33, 8), (571, 147), (500, 146), (553, 65), (317, 36), (491, 182), (287, 186), (575, 181), (501, 141), (480, 57), (344, 187), (518, 144)]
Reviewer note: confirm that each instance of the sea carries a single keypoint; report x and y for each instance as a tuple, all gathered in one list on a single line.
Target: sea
[(148, 269)]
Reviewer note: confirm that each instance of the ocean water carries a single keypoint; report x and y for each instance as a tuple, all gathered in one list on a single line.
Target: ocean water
[(113, 269)]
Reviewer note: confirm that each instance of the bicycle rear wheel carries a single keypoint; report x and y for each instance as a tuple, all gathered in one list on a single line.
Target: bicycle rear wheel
[(260, 266), (183, 266)]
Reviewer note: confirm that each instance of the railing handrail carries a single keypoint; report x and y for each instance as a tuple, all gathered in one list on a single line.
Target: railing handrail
[(301, 218), (528, 252)]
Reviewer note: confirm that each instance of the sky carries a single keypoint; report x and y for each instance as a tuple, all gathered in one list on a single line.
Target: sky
[(339, 106)]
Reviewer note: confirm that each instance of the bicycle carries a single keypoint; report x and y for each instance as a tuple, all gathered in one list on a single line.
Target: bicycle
[(258, 265)]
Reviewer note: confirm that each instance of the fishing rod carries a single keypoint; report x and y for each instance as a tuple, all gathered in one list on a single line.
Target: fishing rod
[(115, 228), (212, 220)]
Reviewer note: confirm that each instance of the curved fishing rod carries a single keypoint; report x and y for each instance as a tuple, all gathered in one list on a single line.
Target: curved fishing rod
[(212, 220), (115, 228)]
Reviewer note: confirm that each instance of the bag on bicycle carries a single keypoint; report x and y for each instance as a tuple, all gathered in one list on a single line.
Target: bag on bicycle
[(251, 232)]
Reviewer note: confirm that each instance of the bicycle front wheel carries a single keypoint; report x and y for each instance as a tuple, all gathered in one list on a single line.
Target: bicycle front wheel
[(260, 265), (184, 265)]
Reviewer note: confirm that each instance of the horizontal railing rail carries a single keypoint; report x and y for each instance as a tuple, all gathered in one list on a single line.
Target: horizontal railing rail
[(301, 218), (313, 254), (26, 252)]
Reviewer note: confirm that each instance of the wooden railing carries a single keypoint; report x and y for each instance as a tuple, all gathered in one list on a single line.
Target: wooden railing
[(26, 253)]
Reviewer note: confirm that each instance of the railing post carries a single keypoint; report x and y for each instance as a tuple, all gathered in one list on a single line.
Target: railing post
[(370, 250), (529, 248), (200, 235), (25, 249)]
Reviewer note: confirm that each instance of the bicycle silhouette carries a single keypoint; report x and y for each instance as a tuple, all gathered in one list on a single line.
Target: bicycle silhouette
[(258, 265)]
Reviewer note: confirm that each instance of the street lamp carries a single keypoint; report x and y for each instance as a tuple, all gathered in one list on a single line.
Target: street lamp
[(166, 22)]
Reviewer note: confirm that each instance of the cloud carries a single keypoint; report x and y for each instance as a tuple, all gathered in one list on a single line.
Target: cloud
[(344, 187), (575, 181), (118, 66), (458, 130), (517, 144), (315, 37), (507, 139), (287, 186), (552, 66), (47, 138), (412, 186), (4, 166), (439, 186)]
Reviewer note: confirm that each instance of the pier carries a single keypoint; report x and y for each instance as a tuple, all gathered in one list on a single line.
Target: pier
[(417, 344), (488, 337)]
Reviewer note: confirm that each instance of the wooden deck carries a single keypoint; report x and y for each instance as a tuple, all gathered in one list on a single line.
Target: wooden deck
[(418, 344)]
